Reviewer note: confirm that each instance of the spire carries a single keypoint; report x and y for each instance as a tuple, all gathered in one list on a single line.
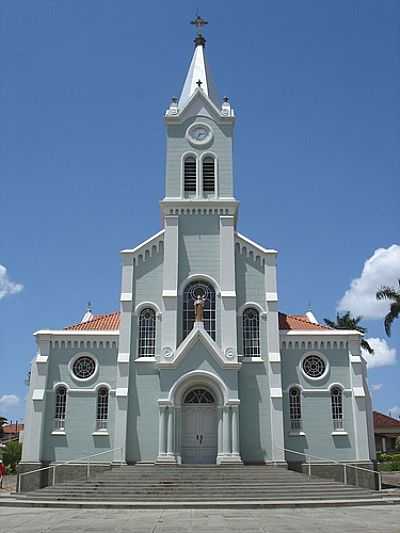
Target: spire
[(88, 315), (198, 76)]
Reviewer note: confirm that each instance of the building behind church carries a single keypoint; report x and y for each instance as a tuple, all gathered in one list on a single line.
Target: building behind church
[(235, 382)]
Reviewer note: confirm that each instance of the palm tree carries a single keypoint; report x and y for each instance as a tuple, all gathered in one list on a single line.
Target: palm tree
[(393, 295), (346, 321)]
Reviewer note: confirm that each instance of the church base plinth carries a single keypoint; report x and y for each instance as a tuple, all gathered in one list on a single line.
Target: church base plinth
[(231, 459), (166, 459)]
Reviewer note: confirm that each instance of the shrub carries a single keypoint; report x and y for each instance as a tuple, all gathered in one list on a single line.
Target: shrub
[(12, 454), (395, 465)]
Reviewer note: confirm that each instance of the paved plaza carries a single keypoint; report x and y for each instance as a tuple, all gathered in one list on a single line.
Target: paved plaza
[(378, 519)]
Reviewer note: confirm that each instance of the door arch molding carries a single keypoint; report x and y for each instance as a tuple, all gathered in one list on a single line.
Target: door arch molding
[(198, 378)]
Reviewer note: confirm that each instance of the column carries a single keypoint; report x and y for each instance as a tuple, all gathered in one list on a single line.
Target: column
[(274, 359), (170, 431), (178, 434), (220, 431), (226, 431), (384, 444), (228, 284), (170, 282), (235, 430), (161, 432)]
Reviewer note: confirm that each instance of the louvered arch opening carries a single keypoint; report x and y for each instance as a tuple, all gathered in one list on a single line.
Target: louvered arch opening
[(190, 174), (208, 174)]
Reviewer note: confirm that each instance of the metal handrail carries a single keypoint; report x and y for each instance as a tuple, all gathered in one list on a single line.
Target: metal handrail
[(345, 465), (54, 466)]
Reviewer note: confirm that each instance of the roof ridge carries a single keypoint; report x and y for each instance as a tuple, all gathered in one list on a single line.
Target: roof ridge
[(94, 319), (303, 318)]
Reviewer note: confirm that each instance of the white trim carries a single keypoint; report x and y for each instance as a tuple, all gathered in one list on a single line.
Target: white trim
[(123, 357), (271, 296), (41, 358), (149, 359), (228, 294), (169, 293), (182, 175), (246, 305), (318, 354), (322, 332), (276, 392), (196, 376), (121, 392), (98, 433), (355, 359), (60, 384), (58, 432), (274, 357), (77, 332), (143, 244), (126, 297), (103, 384), (339, 385), (244, 359), (145, 305), (295, 385), (209, 153), (199, 277), (359, 392), (336, 433), (72, 362), (296, 434), (38, 395), (260, 248)]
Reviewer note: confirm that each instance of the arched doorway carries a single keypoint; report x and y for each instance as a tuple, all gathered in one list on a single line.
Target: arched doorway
[(199, 427)]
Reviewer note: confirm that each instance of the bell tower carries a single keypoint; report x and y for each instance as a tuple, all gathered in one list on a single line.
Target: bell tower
[(199, 172)]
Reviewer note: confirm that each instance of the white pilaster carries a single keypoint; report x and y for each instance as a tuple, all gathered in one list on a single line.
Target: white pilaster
[(220, 411), (161, 433), (228, 284), (178, 434), (235, 430), (170, 432), (36, 403), (226, 431), (124, 357), (170, 282), (274, 358)]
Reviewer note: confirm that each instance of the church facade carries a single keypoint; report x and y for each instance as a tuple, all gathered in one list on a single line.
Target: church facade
[(198, 366)]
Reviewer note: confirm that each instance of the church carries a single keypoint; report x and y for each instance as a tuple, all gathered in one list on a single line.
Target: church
[(198, 366)]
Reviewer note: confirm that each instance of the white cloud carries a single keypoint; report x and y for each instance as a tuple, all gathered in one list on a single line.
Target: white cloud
[(8, 401), (382, 268), (376, 387), (395, 411), (6, 285), (383, 355)]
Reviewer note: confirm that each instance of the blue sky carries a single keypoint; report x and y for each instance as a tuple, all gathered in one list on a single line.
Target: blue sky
[(315, 88)]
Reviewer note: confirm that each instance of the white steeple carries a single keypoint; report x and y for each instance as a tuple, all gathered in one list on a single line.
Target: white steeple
[(198, 76)]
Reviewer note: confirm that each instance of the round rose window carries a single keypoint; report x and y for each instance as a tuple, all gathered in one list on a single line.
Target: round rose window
[(314, 366), (84, 367)]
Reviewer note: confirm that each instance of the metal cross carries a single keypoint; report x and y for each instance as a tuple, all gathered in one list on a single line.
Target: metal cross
[(199, 22), (199, 83)]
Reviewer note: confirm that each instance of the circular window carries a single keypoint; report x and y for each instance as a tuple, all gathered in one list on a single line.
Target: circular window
[(314, 366), (84, 367)]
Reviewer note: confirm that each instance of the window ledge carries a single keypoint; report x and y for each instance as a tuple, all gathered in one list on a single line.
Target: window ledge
[(96, 433), (145, 360), (296, 433), (58, 432), (245, 359), (339, 433)]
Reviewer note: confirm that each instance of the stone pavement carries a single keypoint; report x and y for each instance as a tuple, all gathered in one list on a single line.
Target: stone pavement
[(379, 519)]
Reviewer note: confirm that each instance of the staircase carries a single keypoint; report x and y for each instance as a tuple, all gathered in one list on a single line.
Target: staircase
[(172, 484)]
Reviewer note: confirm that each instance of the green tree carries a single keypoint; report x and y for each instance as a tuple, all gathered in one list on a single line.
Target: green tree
[(393, 295), (12, 454), (3, 420), (347, 321)]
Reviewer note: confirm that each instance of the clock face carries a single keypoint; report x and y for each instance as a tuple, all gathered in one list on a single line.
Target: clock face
[(199, 134)]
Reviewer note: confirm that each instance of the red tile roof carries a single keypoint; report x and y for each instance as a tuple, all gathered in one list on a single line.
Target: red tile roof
[(98, 322), (12, 428), (287, 322), (111, 322), (385, 421)]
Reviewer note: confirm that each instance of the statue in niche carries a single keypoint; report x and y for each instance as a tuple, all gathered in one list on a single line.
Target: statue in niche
[(199, 308)]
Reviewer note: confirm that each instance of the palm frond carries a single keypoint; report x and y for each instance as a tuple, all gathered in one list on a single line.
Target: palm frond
[(367, 346)]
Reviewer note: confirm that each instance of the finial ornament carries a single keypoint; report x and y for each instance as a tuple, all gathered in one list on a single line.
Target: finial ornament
[(199, 22)]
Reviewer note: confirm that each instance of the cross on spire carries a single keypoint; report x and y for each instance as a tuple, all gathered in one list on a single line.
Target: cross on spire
[(199, 83), (199, 22)]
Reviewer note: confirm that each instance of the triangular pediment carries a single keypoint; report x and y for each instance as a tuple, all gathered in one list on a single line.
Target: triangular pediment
[(198, 335)]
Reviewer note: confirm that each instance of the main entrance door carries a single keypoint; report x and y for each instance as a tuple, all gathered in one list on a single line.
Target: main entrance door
[(199, 428)]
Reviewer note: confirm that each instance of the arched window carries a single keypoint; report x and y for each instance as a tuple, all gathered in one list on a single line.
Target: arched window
[(61, 404), (192, 291), (251, 333), (296, 422), (208, 174), (147, 333), (337, 408), (102, 409), (199, 396), (190, 174)]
